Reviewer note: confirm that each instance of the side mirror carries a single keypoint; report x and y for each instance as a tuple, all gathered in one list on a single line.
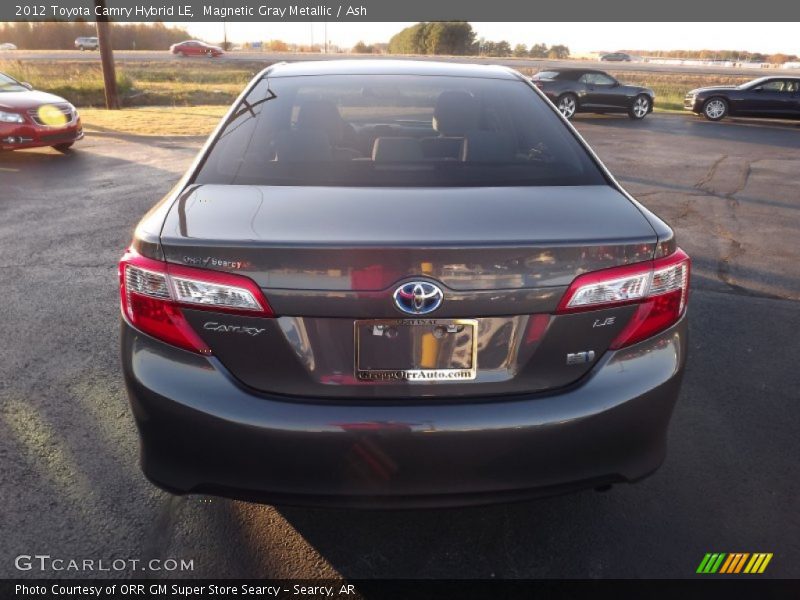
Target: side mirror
[(25, 84)]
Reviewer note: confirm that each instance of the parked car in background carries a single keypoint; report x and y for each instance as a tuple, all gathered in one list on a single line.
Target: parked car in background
[(616, 57), (87, 43), (390, 283), (196, 48), (590, 90), (8, 46), (31, 119), (777, 97)]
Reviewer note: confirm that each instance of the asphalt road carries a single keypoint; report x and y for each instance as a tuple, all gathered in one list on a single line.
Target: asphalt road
[(70, 485), (271, 57)]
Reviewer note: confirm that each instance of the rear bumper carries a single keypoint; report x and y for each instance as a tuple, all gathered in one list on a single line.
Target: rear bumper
[(202, 432)]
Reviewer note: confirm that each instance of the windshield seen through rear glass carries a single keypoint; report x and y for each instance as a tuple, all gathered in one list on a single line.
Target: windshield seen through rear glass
[(10, 85), (396, 130)]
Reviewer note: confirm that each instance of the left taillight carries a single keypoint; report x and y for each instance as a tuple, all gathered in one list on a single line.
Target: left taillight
[(659, 287), (152, 294)]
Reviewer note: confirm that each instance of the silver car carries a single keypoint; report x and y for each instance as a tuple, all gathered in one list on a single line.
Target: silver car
[(87, 43)]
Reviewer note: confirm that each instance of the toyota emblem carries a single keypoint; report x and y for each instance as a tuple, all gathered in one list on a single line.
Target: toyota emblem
[(418, 297)]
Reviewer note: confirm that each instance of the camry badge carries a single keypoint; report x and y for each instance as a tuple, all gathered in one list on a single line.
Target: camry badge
[(418, 297)]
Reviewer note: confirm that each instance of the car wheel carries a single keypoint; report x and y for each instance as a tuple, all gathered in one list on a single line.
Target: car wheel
[(715, 108), (63, 147), (567, 105), (181, 54), (209, 54), (640, 107), (81, 48)]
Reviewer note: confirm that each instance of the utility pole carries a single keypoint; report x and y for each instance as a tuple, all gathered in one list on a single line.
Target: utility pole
[(107, 57)]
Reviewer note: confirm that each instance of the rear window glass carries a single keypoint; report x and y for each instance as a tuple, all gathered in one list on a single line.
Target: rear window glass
[(393, 130), (547, 75)]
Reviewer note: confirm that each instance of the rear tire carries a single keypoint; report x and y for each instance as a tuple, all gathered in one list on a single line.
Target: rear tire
[(715, 108), (567, 105), (640, 106), (63, 148)]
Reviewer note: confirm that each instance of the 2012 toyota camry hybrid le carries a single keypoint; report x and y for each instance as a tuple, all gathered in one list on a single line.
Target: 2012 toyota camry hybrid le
[(400, 283)]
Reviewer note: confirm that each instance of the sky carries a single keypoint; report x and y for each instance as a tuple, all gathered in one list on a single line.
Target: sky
[(767, 38)]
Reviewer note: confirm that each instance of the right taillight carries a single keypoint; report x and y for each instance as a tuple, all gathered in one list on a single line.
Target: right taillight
[(152, 294), (659, 288)]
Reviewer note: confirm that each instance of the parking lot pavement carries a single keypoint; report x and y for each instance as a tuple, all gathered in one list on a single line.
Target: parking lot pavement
[(71, 486), (730, 189)]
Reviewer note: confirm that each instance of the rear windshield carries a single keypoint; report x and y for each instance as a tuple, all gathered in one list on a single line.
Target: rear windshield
[(547, 75), (395, 130)]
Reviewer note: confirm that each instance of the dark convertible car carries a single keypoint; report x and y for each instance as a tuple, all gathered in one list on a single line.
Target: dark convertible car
[(400, 283), (589, 90), (777, 97)]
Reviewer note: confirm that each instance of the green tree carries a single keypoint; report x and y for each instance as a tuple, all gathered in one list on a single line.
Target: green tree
[(362, 48), (520, 50), (558, 51), (410, 40), (452, 37), (538, 51), (502, 48)]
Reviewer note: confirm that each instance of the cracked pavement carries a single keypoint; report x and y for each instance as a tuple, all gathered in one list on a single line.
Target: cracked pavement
[(731, 190), (69, 480)]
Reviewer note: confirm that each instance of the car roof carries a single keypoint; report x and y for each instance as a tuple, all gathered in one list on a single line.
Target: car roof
[(572, 73), (779, 76), (575, 70), (389, 67)]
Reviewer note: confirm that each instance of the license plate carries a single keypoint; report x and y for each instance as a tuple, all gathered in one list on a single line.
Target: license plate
[(416, 350)]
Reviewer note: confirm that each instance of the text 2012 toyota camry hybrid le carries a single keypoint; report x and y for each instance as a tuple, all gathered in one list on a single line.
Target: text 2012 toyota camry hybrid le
[(398, 283)]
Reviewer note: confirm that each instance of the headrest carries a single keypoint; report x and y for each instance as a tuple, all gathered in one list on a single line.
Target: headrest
[(302, 146), (456, 113), (321, 115), (394, 149)]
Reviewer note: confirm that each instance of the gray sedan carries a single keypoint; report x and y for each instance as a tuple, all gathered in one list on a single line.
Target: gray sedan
[(398, 283)]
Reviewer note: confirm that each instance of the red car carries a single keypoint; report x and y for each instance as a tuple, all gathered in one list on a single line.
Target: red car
[(196, 48), (32, 119)]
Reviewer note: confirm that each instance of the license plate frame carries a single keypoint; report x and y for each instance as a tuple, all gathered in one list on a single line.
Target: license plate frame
[(416, 373)]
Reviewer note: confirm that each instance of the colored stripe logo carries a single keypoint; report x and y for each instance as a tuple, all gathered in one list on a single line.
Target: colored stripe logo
[(734, 563)]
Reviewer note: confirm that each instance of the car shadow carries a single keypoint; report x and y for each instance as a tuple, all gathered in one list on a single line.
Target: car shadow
[(67, 438)]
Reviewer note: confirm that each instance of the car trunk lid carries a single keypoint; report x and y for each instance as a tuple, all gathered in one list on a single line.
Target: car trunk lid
[(328, 258)]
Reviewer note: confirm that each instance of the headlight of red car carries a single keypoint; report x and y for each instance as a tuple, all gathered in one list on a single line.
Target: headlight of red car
[(10, 117)]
